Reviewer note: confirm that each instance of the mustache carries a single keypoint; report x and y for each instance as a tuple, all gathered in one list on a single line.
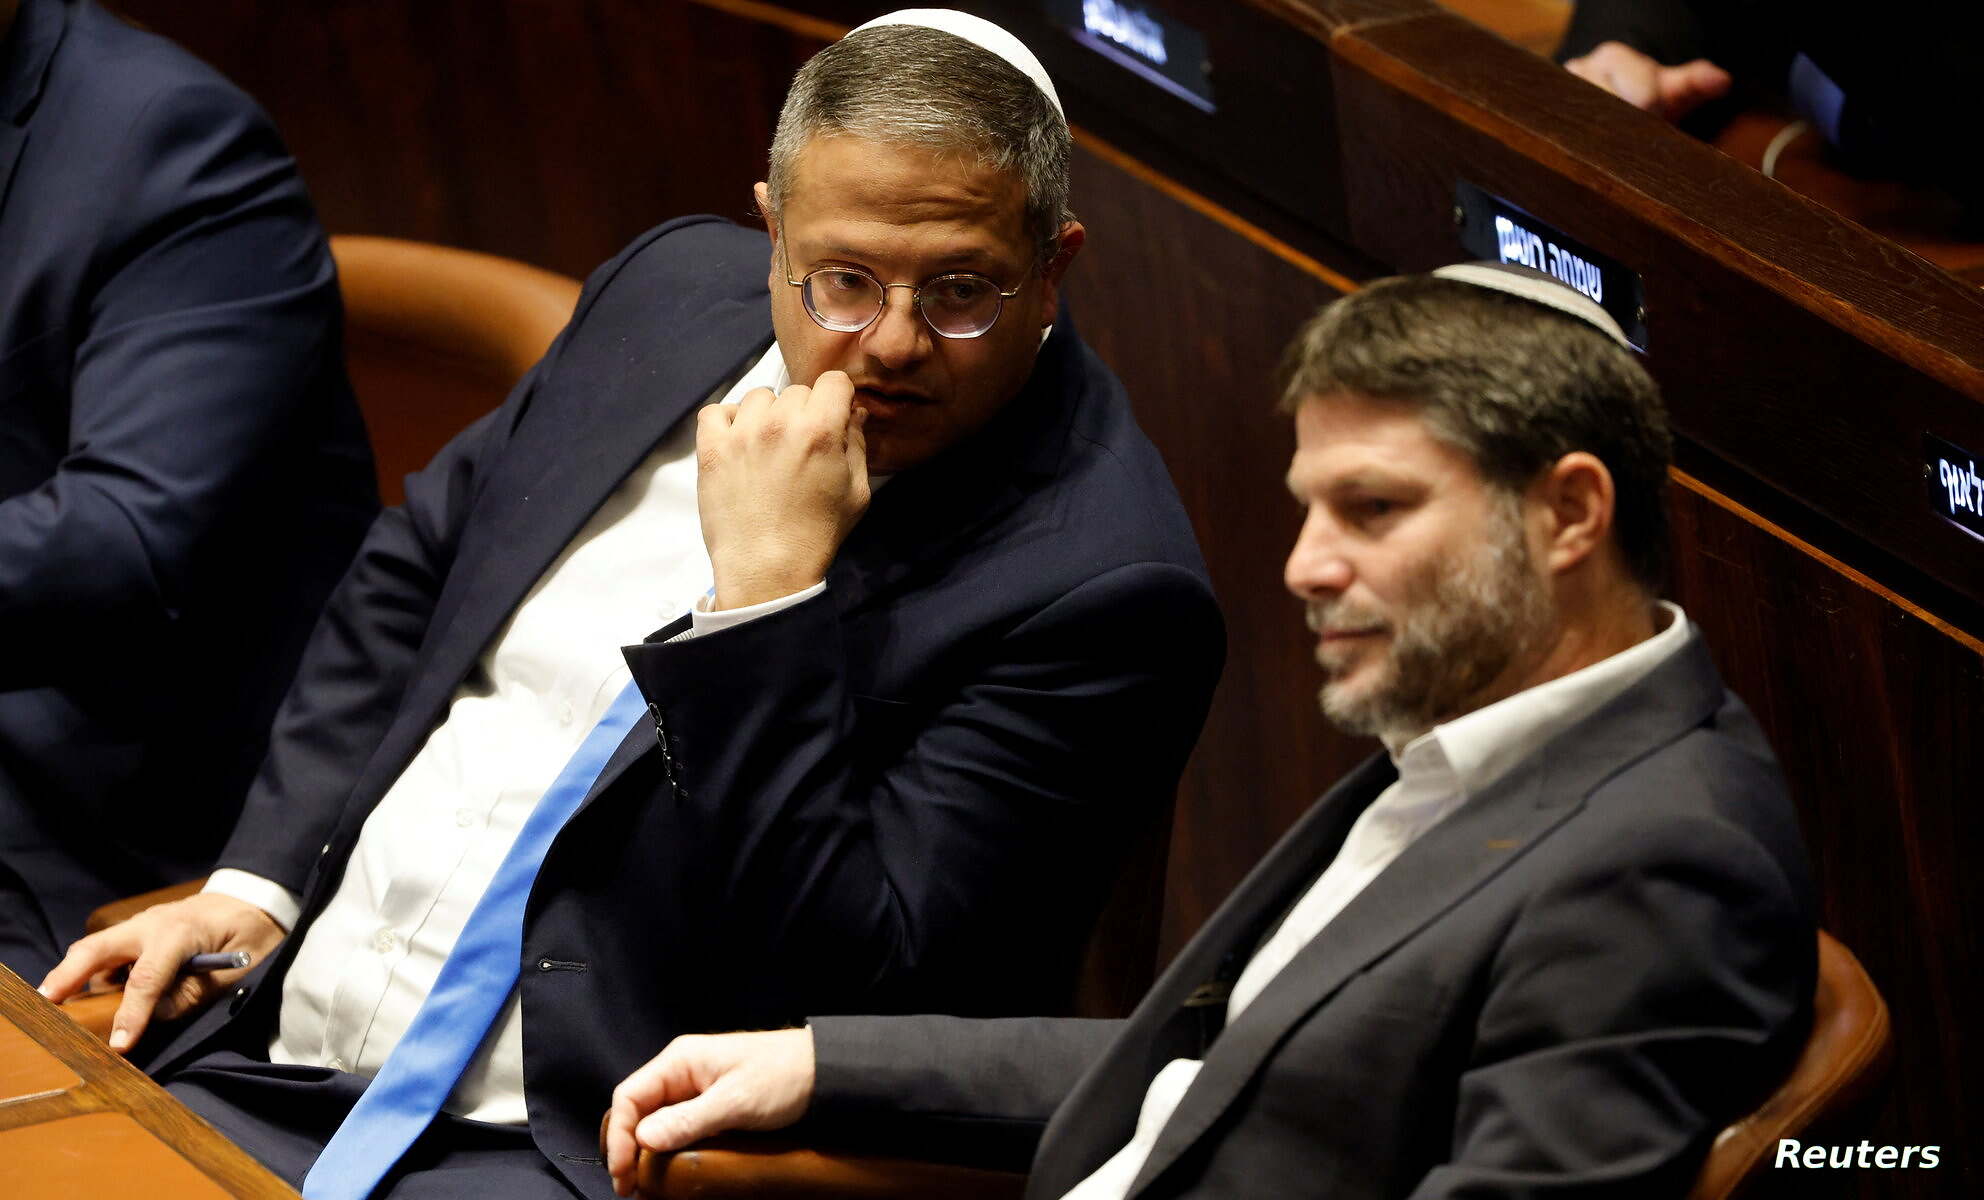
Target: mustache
[(1341, 614)]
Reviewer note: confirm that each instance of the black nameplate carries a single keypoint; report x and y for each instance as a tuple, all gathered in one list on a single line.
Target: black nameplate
[(1134, 35), (1493, 229), (1956, 489)]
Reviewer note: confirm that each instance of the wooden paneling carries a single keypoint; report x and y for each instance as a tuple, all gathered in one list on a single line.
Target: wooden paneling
[(1195, 337), (1874, 712), (550, 131)]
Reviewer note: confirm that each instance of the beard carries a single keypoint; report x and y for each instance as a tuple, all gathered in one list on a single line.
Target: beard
[(1456, 631)]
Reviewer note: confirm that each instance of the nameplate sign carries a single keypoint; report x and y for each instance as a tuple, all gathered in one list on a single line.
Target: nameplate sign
[(1142, 40), (1492, 228), (1956, 486)]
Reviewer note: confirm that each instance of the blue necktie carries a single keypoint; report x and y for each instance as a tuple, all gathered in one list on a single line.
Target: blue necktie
[(474, 983)]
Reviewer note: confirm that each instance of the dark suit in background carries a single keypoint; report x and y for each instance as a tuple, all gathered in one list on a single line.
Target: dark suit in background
[(907, 793), (1568, 985), (183, 471)]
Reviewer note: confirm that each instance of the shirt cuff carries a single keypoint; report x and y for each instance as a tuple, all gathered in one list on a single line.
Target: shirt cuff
[(266, 894), (701, 622)]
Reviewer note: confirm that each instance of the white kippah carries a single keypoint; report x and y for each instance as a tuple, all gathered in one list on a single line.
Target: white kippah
[(1537, 288), (980, 33)]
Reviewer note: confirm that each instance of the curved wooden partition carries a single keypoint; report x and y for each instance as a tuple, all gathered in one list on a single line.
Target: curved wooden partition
[(1804, 359)]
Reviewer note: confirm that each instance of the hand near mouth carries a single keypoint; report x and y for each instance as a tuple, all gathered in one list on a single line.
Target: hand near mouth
[(780, 482)]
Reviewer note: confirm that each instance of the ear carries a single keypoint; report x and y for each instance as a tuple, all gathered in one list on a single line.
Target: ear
[(1070, 242), (1574, 499), (763, 196)]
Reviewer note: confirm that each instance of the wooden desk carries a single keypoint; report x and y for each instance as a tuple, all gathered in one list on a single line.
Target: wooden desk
[(77, 1120)]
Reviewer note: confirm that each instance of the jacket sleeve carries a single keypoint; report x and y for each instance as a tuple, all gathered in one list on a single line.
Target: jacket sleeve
[(1637, 1005), (216, 298), (939, 871), (948, 1088)]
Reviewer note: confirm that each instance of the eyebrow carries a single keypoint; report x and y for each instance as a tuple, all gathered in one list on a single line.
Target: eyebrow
[(974, 260), (1369, 477), (1361, 479)]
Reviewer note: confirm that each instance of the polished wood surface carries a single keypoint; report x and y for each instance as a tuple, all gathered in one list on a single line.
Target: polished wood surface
[(1535, 25), (94, 1125), (752, 1167), (27, 1070), (1803, 358), (130, 906)]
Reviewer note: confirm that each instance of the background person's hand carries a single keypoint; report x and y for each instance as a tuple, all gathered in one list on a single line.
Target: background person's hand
[(705, 1084), (1670, 92), (153, 944), (780, 482)]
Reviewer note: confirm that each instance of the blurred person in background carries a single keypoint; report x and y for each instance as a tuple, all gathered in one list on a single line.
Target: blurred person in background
[(1894, 92), (183, 470)]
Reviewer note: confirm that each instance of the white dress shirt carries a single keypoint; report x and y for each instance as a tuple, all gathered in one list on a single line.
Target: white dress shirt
[(429, 849), (1437, 772)]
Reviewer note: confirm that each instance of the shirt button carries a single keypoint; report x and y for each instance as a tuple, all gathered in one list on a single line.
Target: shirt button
[(385, 941), (565, 712), (338, 1064), (464, 817)]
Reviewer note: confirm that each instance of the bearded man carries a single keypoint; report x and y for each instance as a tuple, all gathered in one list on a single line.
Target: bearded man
[(1548, 943)]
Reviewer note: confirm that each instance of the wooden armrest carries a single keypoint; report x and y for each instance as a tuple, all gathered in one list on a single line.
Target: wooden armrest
[(759, 1167), (93, 1010), (123, 910)]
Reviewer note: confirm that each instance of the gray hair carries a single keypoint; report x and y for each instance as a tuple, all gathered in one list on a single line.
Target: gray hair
[(1512, 384), (906, 84)]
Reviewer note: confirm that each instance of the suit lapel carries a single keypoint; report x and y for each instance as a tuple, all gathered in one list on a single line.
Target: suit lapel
[(924, 510), (574, 448), (1101, 1111), (1438, 871), (1446, 864)]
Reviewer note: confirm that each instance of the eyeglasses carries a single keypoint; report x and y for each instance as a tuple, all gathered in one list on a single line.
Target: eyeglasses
[(848, 299)]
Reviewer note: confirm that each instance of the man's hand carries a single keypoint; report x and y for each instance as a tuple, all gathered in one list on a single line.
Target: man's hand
[(780, 482), (703, 1085), (154, 944), (1670, 92)]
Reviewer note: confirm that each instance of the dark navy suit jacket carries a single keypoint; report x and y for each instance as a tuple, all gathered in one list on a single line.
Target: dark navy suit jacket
[(1564, 988), (183, 471), (905, 793)]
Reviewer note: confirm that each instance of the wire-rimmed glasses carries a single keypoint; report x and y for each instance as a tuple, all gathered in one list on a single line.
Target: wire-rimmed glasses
[(958, 305)]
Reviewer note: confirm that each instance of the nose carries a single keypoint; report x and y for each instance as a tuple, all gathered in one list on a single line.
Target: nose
[(1316, 566), (899, 337)]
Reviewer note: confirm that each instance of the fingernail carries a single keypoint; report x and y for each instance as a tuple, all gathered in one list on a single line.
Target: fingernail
[(45, 993), (120, 1039)]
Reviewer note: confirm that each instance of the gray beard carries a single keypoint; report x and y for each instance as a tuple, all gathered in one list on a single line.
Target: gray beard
[(1464, 627)]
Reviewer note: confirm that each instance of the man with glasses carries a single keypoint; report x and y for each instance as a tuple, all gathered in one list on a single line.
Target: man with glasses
[(932, 635)]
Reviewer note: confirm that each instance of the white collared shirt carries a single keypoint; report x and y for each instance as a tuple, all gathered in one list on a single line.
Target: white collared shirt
[(429, 849), (1437, 772)]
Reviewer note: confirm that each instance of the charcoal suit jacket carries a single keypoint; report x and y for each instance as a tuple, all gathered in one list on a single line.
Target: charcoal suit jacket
[(906, 792), (1564, 988), (183, 470)]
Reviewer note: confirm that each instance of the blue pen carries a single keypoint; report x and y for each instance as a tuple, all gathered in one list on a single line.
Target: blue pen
[(226, 960)]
